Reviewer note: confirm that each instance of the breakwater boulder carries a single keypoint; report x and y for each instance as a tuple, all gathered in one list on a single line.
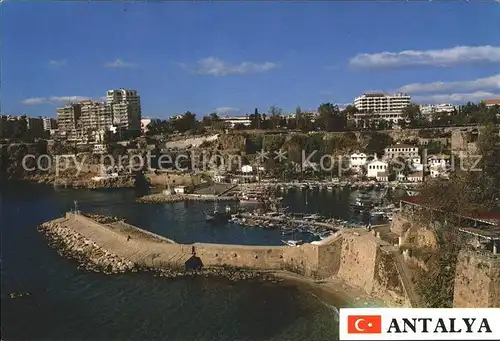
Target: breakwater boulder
[(226, 272), (160, 198), (89, 256)]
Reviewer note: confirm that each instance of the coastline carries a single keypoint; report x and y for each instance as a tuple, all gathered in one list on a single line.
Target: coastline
[(332, 291)]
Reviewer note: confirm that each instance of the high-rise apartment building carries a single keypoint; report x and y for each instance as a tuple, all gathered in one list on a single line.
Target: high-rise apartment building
[(49, 123), (79, 122), (126, 107), (85, 121), (378, 102), (96, 115), (69, 121)]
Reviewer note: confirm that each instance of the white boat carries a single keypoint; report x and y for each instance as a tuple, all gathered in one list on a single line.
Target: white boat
[(292, 242)]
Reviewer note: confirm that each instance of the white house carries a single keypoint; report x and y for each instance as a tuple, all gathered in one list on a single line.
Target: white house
[(180, 189), (376, 167), (357, 160), (405, 151), (144, 125), (416, 164), (439, 165), (246, 169)]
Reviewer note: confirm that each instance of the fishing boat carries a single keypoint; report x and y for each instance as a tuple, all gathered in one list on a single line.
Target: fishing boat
[(292, 242), (250, 198), (378, 213), (217, 215)]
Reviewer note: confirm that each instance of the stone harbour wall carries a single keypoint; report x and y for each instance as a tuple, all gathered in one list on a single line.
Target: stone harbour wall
[(477, 281), (357, 261), (89, 255), (348, 255)]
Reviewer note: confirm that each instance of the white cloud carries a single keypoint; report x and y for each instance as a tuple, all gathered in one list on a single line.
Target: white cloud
[(53, 100), (118, 63), (487, 83), (216, 67), (55, 64), (457, 98), (225, 110), (444, 57)]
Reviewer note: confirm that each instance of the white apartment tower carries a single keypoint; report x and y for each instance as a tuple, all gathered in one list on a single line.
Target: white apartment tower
[(96, 115), (377, 102), (126, 109), (68, 121)]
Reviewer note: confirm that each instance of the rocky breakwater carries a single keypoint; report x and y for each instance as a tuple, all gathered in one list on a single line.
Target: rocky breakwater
[(89, 256), (160, 198), (228, 272)]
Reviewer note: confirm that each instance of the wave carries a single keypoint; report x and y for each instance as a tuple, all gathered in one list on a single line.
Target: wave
[(331, 307)]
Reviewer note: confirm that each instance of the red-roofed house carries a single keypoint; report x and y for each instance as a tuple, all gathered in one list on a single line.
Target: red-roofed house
[(492, 102)]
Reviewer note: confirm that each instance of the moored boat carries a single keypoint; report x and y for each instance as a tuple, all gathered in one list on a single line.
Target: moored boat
[(292, 242)]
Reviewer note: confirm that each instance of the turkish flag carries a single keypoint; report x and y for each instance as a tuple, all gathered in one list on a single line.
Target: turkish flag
[(364, 324)]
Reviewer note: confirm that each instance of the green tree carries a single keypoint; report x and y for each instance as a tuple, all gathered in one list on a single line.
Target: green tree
[(330, 118), (275, 114)]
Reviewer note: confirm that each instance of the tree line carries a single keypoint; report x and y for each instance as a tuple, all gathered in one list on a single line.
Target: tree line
[(330, 118)]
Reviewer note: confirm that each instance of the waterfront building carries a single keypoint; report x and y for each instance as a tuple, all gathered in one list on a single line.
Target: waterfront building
[(375, 167), (405, 151), (126, 108), (357, 160)]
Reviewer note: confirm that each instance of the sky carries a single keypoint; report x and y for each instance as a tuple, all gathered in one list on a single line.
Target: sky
[(231, 57)]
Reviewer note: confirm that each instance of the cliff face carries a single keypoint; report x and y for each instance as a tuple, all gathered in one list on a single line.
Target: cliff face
[(13, 154)]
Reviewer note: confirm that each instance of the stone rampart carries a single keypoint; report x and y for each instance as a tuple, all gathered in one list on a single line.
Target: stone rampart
[(358, 260), (477, 281), (349, 256)]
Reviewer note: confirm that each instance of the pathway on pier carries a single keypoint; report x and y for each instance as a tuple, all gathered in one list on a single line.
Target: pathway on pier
[(141, 249)]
